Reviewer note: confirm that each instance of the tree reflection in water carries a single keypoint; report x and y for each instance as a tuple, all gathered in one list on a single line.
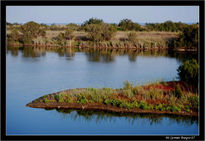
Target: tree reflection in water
[(99, 54), (105, 116)]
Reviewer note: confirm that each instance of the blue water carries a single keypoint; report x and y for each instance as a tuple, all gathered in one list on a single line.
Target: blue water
[(34, 73)]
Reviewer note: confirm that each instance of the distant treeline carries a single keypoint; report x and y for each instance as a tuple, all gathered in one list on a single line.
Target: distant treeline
[(101, 33), (124, 25)]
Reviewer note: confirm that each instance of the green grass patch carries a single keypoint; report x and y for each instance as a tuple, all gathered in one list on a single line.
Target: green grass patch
[(45, 100), (147, 97)]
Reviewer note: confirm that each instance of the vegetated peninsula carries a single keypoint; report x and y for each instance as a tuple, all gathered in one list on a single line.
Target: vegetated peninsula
[(174, 97), (96, 33)]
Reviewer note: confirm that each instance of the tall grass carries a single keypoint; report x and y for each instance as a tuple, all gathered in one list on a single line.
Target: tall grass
[(155, 96)]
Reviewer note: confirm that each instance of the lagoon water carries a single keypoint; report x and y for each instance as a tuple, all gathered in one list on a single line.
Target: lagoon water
[(31, 73)]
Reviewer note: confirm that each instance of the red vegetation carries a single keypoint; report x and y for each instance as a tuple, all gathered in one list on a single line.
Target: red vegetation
[(159, 86)]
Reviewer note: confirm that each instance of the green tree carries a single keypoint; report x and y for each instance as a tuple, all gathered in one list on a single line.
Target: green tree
[(93, 21), (33, 28), (27, 38), (13, 37), (30, 31), (190, 36), (188, 71), (166, 26), (100, 32), (127, 24), (187, 38)]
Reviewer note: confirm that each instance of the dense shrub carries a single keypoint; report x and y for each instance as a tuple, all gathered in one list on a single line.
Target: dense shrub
[(32, 28), (62, 38), (166, 26), (188, 71), (194, 101), (26, 33), (143, 105), (82, 99), (13, 37), (127, 24), (174, 108), (100, 32), (93, 21), (188, 38), (27, 38), (60, 97)]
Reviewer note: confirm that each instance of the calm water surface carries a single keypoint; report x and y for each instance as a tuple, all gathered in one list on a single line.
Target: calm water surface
[(31, 73)]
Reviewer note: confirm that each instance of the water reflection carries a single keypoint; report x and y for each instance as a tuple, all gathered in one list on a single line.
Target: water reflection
[(99, 55), (105, 116)]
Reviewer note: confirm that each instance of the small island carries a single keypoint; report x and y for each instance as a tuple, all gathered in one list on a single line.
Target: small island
[(174, 97)]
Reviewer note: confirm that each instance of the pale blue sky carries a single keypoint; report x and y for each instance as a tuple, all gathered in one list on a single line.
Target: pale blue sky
[(110, 14)]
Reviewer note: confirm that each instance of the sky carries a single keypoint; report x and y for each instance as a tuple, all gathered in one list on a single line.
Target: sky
[(109, 14)]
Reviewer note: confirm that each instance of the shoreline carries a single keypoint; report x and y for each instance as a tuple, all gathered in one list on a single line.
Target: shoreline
[(101, 107), (180, 49), (53, 104)]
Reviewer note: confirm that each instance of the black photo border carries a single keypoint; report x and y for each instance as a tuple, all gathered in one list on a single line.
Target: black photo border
[(5, 3)]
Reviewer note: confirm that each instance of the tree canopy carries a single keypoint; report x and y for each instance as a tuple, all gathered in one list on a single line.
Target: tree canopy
[(100, 32), (33, 28), (93, 21), (187, 38), (127, 24), (188, 71)]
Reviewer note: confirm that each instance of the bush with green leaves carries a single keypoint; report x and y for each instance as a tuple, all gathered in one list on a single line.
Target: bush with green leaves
[(29, 31), (93, 21), (188, 71), (13, 37), (100, 32), (166, 26), (62, 38), (127, 24), (194, 102), (33, 28), (174, 108), (189, 37), (45, 100), (82, 99), (143, 105), (27, 38), (60, 97)]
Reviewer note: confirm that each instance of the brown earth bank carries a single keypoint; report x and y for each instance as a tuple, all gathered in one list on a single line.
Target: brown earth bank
[(99, 106), (165, 86)]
